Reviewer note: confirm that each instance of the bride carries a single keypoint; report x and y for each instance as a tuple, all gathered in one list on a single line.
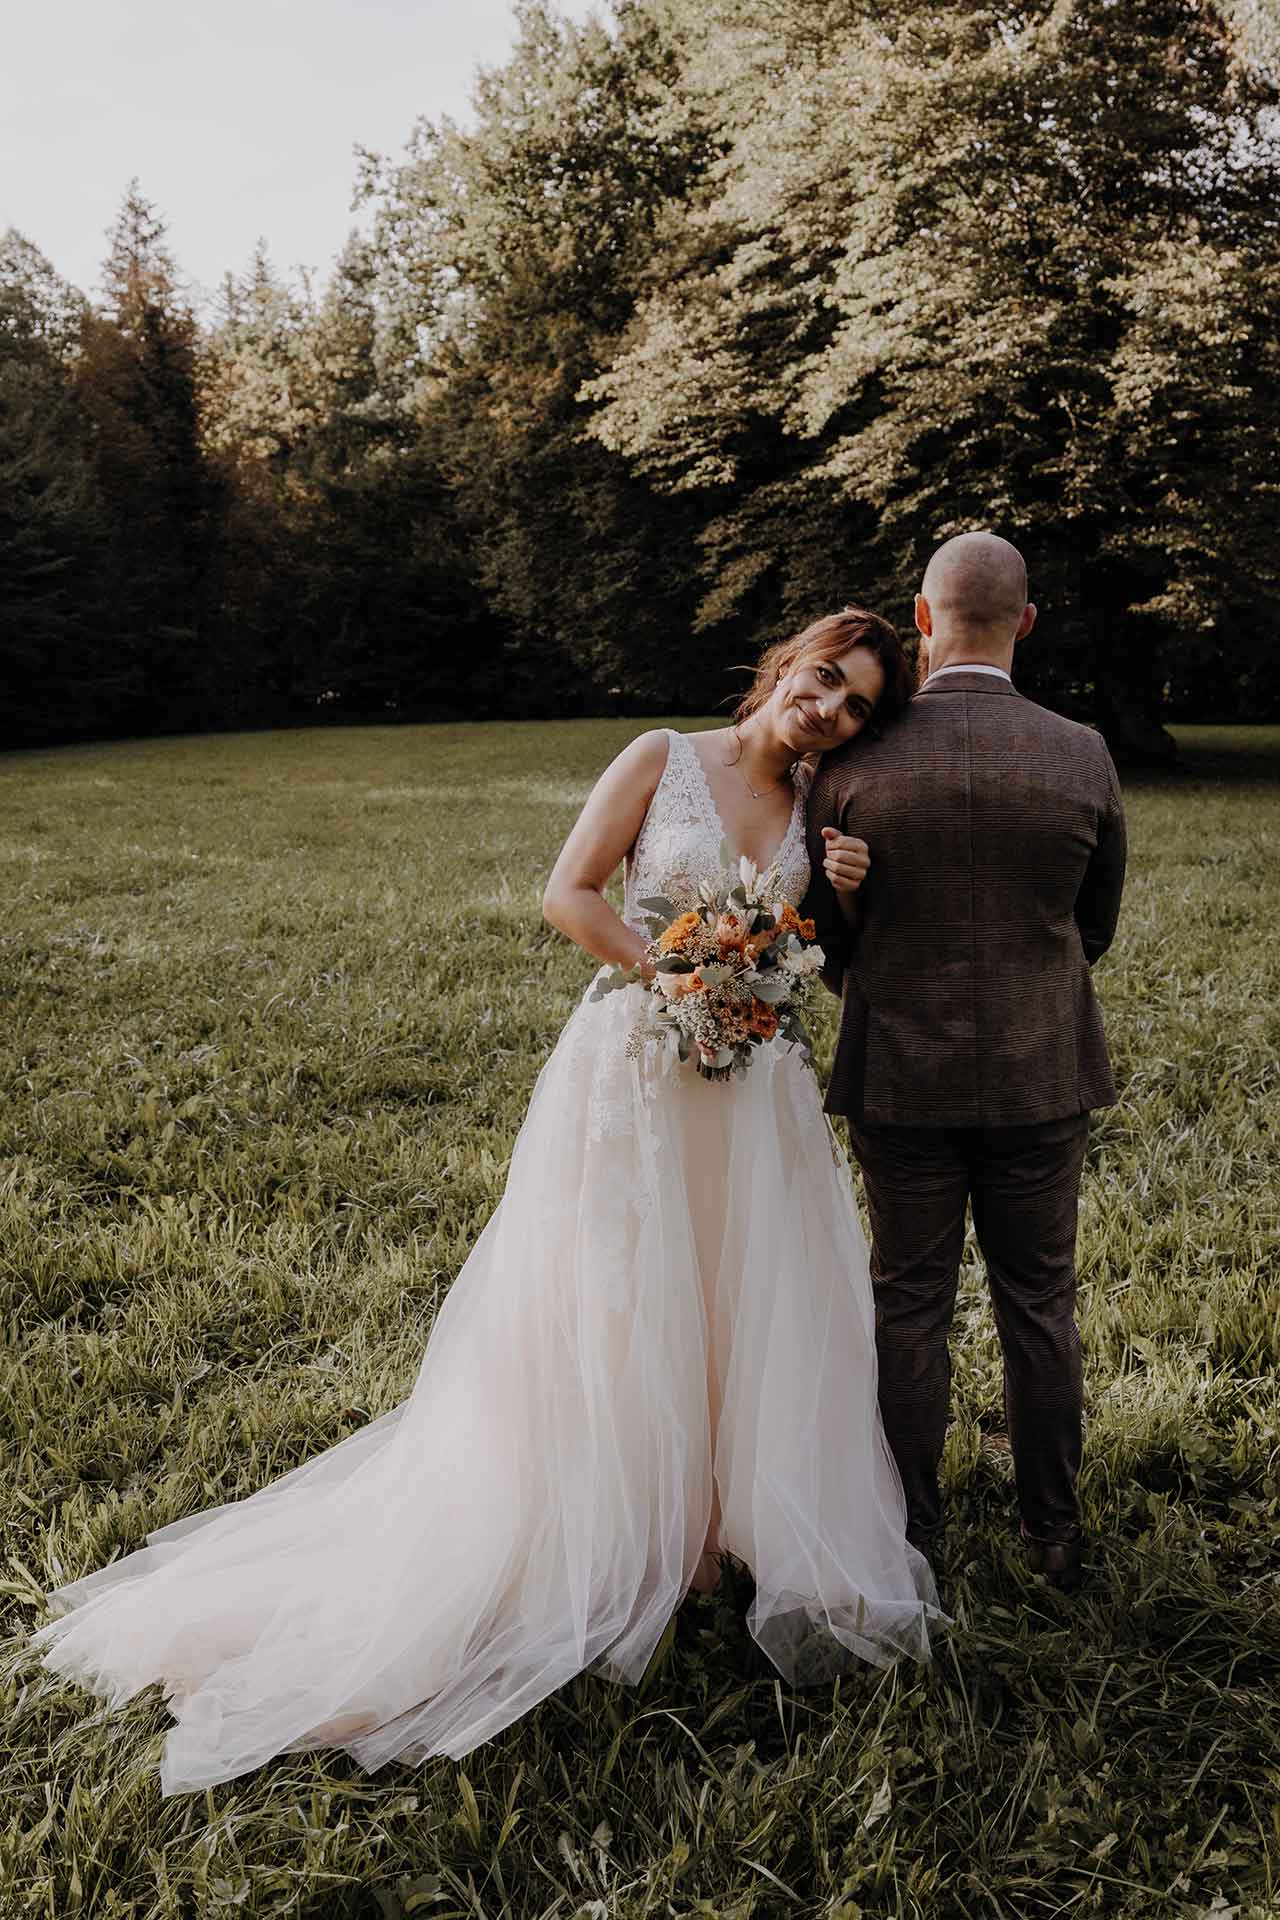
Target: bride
[(659, 1352)]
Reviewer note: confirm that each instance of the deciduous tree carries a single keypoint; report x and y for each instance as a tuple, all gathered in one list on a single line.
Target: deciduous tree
[(511, 255), (58, 674), (977, 266)]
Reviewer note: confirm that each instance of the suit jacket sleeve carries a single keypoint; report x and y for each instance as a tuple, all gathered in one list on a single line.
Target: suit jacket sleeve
[(831, 929), (1097, 907)]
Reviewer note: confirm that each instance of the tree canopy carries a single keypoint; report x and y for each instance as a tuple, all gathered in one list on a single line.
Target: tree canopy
[(974, 267)]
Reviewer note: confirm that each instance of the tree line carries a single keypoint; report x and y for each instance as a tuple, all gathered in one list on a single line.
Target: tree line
[(719, 315)]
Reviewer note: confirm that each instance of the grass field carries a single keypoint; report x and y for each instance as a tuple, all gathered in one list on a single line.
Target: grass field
[(273, 1006)]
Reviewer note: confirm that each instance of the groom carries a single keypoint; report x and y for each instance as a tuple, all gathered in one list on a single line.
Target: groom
[(968, 868)]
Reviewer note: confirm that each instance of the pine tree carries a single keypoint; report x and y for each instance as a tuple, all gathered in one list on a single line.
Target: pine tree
[(136, 380)]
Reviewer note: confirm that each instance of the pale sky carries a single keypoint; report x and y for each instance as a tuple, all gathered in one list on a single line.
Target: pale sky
[(237, 116)]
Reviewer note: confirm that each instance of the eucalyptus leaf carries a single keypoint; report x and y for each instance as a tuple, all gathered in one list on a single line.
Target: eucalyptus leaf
[(797, 1034), (614, 981), (771, 989)]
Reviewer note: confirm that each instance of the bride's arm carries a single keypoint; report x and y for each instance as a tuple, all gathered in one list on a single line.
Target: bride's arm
[(603, 834)]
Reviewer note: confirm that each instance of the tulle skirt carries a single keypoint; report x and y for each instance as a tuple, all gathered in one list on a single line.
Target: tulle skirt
[(661, 1344)]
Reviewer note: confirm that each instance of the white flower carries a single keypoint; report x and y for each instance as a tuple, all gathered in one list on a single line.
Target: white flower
[(801, 960), (747, 872)]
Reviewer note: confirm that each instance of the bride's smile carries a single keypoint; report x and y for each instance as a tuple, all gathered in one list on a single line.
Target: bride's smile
[(829, 701)]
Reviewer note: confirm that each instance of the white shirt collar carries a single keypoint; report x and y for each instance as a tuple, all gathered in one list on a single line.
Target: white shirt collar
[(940, 673)]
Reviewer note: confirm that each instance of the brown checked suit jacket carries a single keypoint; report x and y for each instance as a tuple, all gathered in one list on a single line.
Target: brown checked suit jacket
[(997, 846)]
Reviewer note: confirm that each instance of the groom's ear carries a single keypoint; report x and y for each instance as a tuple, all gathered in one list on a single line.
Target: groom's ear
[(1027, 621), (924, 619)]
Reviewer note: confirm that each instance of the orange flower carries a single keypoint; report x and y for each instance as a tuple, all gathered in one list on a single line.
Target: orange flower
[(789, 921), (678, 933), (762, 1019)]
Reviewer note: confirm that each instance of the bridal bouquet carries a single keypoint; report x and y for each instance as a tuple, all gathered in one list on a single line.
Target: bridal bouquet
[(729, 973)]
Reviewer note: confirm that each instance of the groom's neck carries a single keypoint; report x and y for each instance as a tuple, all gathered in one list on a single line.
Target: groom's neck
[(968, 650)]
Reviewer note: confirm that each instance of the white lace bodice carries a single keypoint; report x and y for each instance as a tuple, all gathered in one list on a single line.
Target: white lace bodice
[(681, 841)]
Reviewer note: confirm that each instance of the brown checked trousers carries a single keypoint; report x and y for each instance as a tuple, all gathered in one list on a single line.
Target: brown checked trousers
[(971, 1051)]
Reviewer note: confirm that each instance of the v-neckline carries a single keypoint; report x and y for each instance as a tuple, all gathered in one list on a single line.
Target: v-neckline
[(761, 866)]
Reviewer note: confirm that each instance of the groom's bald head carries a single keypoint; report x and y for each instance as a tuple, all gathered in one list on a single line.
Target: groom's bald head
[(976, 580), (973, 599)]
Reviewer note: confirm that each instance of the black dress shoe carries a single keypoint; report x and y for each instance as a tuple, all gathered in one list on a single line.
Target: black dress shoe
[(1060, 1561)]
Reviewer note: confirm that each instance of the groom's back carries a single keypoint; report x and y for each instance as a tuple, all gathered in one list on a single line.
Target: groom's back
[(997, 858)]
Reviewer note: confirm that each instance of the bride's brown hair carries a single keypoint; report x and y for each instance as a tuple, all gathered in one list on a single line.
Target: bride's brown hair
[(827, 639)]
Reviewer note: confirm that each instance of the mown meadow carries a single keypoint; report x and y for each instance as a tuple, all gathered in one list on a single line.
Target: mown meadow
[(272, 1008)]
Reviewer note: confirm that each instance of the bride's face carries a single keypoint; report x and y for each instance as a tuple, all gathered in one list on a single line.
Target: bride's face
[(820, 703)]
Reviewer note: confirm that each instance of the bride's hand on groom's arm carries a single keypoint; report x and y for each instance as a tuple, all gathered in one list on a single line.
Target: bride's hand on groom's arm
[(846, 862), (839, 863)]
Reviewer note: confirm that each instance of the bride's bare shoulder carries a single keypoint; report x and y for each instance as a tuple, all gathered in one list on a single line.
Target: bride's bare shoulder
[(642, 760), (651, 747)]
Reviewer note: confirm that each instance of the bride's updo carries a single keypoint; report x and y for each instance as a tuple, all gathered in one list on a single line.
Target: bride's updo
[(827, 639)]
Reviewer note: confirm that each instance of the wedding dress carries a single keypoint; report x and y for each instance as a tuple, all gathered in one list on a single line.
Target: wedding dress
[(661, 1344)]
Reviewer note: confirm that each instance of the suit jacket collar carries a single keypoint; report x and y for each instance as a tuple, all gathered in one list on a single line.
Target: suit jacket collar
[(967, 683)]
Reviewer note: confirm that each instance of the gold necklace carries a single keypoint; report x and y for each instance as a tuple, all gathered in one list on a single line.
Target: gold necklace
[(747, 784)]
